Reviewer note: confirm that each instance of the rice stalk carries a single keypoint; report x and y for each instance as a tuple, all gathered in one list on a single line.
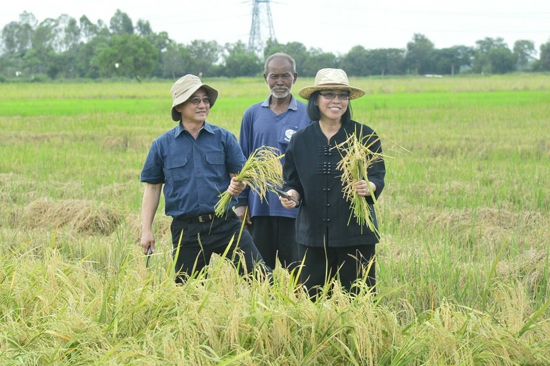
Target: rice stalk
[(357, 157), (262, 169)]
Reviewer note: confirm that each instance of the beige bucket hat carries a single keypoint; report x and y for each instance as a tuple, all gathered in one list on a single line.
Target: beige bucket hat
[(184, 88), (331, 79)]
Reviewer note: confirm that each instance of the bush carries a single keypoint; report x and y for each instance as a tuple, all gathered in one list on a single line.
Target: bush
[(2, 78), (40, 78)]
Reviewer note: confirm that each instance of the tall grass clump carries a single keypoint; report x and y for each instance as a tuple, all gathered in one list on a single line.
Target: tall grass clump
[(261, 171)]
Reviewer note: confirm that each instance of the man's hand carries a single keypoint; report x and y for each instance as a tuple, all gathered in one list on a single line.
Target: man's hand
[(240, 211), (235, 187), (148, 242)]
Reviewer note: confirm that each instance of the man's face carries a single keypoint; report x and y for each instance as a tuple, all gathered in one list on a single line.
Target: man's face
[(280, 77), (196, 108)]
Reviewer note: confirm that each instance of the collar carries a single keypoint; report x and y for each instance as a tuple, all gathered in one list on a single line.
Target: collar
[(179, 129), (292, 105)]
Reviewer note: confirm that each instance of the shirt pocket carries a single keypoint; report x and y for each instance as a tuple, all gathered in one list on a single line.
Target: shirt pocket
[(177, 169), (215, 168), (286, 134)]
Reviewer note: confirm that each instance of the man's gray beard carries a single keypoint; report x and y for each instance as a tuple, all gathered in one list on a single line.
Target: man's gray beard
[(280, 95)]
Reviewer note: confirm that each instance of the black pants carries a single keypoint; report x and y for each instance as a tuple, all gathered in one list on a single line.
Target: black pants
[(200, 240), (322, 264), (276, 237)]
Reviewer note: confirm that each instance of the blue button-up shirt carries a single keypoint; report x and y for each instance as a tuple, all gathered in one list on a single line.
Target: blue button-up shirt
[(194, 171)]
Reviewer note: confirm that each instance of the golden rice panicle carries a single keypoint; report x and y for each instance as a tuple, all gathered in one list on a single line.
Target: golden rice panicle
[(357, 157), (262, 167)]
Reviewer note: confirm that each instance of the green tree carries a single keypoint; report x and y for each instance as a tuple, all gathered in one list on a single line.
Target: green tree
[(72, 34), (296, 50), (37, 60), (204, 55), (240, 62), (128, 55), (176, 61), (355, 62), (316, 60), (143, 28), (161, 42), (121, 23), (544, 61), (45, 33), (87, 61), (525, 53), (17, 36), (482, 62), (396, 64), (502, 60), (419, 53), (451, 60), (88, 30)]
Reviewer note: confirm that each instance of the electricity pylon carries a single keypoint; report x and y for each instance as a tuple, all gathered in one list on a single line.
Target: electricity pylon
[(261, 21)]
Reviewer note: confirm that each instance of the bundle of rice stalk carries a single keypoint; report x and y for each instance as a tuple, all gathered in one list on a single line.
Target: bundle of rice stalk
[(262, 168), (357, 156)]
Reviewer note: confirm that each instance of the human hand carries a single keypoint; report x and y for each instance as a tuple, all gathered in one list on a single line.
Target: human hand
[(288, 203), (235, 187), (363, 188), (240, 212), (148, 242)]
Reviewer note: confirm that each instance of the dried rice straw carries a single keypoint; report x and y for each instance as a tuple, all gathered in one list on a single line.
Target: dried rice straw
[(263, 167), (356, 158)]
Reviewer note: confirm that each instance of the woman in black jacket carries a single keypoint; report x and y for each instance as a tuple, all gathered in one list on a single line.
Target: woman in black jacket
[(330, 243)]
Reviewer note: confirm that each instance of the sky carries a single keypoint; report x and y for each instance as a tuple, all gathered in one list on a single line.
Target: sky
[(330, 25)]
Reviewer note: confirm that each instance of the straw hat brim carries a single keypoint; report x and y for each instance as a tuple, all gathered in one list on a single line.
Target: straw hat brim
[(354, 92), (212, 94)]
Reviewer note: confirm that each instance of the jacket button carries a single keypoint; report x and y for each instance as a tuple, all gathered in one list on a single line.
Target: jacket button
[(328, 204)]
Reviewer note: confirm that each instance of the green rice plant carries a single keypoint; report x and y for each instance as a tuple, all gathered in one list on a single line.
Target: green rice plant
[(357, 157), (262, 169)]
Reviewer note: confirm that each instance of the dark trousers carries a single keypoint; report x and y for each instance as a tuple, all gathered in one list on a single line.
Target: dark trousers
[(322, 264), (200, 240), (276, 237)]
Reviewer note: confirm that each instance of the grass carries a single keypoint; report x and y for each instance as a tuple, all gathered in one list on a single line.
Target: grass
[(463, 263)]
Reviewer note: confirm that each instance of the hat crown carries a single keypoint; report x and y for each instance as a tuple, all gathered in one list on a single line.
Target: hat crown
[(183, 84), (331, 77)]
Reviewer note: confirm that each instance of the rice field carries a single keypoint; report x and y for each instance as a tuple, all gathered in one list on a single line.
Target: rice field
[(463, 264)]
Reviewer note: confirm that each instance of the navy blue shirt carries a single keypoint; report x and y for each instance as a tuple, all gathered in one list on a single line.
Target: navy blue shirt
[(261, 126), (194, 172)]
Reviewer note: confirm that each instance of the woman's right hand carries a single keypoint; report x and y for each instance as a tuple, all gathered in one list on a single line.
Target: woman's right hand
[(290, 203)]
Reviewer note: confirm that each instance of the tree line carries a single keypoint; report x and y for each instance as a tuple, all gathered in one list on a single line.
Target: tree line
[(71, 49)]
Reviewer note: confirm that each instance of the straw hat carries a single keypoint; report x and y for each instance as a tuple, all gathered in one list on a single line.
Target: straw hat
[(184, 88), (331, 79)]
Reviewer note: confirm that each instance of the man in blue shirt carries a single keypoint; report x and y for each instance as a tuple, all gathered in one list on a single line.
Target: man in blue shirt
[(195, 161), (272, 123)]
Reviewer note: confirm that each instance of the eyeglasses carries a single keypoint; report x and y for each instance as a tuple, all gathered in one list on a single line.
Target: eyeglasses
[(197, 101), (331, 96)]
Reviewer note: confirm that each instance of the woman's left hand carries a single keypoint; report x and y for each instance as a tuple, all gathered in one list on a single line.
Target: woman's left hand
[(364, 188)]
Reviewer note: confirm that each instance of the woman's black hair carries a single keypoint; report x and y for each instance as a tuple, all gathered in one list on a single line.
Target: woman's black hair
[(314, 113)]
